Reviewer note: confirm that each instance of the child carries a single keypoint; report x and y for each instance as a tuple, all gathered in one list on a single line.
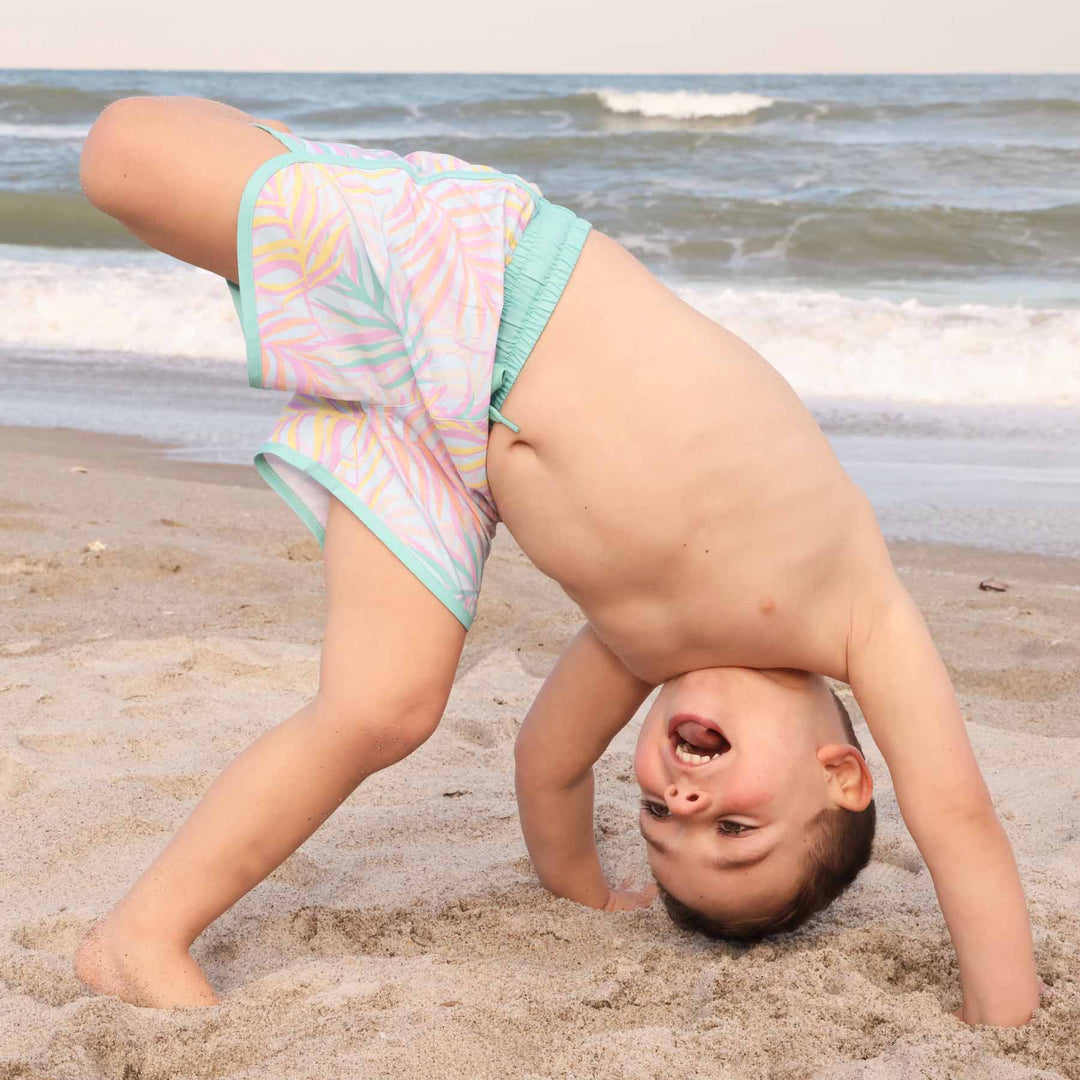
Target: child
[(649, 461)]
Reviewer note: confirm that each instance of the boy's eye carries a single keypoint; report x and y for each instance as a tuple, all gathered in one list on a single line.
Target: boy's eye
[(732, 828), (728, 828)]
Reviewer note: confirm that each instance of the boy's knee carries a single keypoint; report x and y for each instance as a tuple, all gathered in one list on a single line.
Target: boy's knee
[(100, 150), (383, 728), (108, 162)]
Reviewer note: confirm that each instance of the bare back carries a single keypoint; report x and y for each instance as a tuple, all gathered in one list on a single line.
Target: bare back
[(674, 485)]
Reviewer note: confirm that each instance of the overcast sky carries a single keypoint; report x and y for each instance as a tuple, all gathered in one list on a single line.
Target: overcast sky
[(550, 35)]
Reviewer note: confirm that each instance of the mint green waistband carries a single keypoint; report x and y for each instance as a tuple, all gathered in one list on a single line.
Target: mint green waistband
[(535, 278)]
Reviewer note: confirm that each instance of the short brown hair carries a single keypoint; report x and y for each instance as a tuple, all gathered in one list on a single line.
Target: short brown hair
[(840, 849)]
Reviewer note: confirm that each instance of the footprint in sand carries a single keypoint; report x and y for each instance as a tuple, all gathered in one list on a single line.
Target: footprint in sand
[(17, 524), (58, 742), (23, 564), (1025, 684), (264, 945), (16, 778), (902, 957), (39, 964), (57, 935), (489, 702), (304, 551), (319, 984), (135, 669), (299, 870), (166, 666), (27, 647), (182, 787), (13, 506), (276, 665)]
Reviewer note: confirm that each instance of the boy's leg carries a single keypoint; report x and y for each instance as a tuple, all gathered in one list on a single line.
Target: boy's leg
[(172, 171), (388, 662)]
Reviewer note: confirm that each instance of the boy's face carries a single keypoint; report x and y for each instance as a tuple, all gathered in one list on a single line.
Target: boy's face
[(729, 835)]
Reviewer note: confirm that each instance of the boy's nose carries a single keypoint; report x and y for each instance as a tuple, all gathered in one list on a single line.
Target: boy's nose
[(684, 799)]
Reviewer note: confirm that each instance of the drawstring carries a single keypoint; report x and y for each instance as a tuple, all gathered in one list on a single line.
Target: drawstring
[(493, 413)]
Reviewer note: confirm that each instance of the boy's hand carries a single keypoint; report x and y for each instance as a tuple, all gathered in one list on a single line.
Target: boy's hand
[(626, 898), (903, 688), (588, 697)]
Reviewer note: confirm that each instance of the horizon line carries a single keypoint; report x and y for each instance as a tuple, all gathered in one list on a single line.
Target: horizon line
[(422, 71)]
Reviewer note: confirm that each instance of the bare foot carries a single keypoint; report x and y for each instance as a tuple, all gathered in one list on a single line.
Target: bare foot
[(140, 969)]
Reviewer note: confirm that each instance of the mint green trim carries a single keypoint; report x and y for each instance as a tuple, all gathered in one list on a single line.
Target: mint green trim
[(243, 294), (536, 276), (269, 474), (286, 139), (323, 476)]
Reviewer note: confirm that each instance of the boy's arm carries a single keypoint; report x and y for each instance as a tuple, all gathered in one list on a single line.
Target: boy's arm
[(904, 691), (586, 700)]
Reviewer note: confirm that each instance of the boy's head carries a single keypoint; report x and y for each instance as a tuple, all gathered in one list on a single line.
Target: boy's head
[(757, 804)]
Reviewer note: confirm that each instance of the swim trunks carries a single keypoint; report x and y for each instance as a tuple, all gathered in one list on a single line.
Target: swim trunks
[(397, 298)]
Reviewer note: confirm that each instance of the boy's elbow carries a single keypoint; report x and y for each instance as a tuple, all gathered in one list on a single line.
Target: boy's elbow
[(956, 814), (537, 771)]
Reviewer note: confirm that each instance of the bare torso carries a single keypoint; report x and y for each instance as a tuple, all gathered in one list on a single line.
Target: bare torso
[(674, 485)]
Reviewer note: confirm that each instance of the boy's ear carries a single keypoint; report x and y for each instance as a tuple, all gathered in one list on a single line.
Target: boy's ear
[(848, 777)]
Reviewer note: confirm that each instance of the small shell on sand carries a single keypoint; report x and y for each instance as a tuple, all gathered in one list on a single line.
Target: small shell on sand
[(993, 585)]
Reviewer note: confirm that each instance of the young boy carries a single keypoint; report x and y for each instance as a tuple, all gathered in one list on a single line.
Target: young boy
[(652, 463)]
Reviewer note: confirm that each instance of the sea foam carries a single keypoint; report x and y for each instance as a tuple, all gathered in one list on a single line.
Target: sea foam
[(824, 343), (834, 346), (682, 104), (58, 132)]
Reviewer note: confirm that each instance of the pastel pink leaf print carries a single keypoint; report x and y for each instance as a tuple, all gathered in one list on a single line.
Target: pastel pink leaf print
[(377, 287)]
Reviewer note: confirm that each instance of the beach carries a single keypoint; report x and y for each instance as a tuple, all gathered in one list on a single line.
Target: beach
[(157, 615), (902, 249)]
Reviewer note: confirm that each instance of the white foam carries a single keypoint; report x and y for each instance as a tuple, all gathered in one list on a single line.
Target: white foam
[(824, 343), (682, 104), (641, 244), (834, 346), (140, 303), (44, 131)]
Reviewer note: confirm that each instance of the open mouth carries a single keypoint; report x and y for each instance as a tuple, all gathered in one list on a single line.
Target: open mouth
[(695, 740)]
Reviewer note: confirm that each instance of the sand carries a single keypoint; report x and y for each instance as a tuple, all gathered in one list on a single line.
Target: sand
[(409, 937)]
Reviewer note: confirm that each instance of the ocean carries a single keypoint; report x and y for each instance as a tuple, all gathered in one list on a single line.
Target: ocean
[(905, 250)]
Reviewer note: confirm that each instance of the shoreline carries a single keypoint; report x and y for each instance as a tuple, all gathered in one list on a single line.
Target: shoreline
[(127, 453), (134, 453)]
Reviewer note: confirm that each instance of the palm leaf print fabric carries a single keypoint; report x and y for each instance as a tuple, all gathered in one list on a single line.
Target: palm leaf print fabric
[(371, 286)]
